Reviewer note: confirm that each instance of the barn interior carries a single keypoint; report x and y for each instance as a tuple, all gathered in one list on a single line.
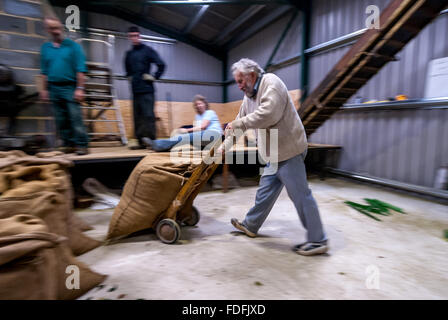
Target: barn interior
[(367, 80)]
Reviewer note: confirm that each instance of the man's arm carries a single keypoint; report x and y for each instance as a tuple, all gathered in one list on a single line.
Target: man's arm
[(80, 79), (127, 66), (154, 57), (79, 91), (80, 66), (268, 113), (242, 111), (230, 133)]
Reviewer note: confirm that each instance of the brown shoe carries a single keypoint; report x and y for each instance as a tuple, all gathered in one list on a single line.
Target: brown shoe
[(242, 228), (82, 151)]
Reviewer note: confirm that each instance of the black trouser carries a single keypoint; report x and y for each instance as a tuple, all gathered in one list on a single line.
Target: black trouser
[(144, 118)]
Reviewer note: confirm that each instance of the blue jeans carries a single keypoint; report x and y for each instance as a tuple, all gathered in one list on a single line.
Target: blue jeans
[(291, 174), (68, 116), (197, 139)]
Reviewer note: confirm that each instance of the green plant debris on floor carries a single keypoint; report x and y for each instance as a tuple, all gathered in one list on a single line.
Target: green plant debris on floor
[(374, 207), (445, 234)]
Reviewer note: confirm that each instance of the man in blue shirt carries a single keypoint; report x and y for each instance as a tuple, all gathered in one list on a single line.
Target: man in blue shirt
[(138, 63), (206, 129), (63, 67)]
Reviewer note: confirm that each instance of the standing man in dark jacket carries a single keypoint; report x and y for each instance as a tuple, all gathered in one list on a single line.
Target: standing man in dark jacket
[(138, 68)]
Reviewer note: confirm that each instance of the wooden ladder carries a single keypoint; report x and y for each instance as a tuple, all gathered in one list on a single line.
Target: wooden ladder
[(100, 98)]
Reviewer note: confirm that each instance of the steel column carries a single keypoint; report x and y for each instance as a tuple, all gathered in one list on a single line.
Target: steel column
[(304, 62)]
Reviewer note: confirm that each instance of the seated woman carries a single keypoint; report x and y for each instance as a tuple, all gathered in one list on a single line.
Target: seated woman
[(206, 129)]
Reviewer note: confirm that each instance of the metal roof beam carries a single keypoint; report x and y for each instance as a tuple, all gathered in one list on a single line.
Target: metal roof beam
[(213, 51), (260, 24), (246, 15), (193, 23), (197, 2), (300, 4), (138, 19)]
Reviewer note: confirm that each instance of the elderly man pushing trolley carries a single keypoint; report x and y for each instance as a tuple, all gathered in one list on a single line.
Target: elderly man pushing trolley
[(267, 105)]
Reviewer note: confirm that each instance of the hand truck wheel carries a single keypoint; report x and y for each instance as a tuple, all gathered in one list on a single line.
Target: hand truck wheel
[(168, 231), (193, 219)]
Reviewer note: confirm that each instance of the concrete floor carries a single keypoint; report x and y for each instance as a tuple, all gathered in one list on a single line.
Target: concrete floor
[(212, 261)]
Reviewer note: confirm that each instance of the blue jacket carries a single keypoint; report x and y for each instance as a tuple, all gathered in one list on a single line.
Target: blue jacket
[(138, 61)]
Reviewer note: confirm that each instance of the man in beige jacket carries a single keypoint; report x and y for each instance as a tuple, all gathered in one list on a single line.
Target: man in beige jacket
[(268, 108)]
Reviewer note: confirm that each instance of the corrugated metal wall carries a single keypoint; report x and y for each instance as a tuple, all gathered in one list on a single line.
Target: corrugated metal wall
[(333, 19), (336, 18), (260, 47), (404, 145), (183, 62)]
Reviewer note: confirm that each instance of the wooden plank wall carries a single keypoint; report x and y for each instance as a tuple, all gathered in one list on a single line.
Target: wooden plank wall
[(182, 113)]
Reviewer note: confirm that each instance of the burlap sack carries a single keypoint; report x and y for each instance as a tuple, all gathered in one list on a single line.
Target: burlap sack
[(22, 176), (148, 192), (23, 180), (78, 241), (77, 223), (50, 154), (73, 220), (46, 205), (8, 158), (88, 278), (55, 210), (28, 261), (33, 262)]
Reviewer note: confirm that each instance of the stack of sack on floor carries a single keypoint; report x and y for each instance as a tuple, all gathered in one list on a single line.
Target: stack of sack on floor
[(152, 186), (39, 233)]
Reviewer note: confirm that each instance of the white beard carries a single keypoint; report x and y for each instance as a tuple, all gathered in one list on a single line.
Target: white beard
[(249, 94)]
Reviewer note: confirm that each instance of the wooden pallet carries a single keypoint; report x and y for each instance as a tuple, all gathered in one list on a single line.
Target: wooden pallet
[(400, 22)]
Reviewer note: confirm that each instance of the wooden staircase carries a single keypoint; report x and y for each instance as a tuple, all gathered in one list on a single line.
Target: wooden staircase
[(400, 22)]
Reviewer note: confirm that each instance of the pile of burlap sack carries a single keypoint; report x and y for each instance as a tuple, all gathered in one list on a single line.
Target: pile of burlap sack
[(39, 233), (150, 189)]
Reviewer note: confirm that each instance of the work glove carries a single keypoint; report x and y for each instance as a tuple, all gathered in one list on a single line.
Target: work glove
[(148, 77)]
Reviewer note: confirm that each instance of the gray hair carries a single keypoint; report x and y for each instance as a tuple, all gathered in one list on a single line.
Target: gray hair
[(246, 66)]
